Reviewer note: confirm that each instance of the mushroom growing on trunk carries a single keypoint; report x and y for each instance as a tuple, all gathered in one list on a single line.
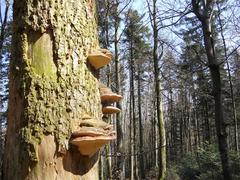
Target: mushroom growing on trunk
[(110, 110), (99, 58), (107, 95), (92, 135)]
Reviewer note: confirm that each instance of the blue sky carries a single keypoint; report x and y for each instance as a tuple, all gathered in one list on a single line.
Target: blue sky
[(140, 5)]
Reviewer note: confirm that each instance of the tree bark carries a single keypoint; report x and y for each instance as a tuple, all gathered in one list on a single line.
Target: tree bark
[(119, 119), (142, 173), (217, 93), (3, 26), (132, 88), (204, 14), (160, 120), (51, 88), (230, 84)]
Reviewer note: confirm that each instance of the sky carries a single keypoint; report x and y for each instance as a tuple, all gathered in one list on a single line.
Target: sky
[(139, 5)]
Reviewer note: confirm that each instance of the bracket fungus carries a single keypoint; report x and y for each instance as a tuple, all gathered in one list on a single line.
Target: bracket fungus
[(107, 95), (99, 58), (92, 135), (110, 110)]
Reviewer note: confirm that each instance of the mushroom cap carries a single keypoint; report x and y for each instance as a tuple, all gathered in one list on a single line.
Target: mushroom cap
[(110, 110), (95, 123), (100, 58), (88, 131), (106, 52), (89, 140), (107, 95), (111, 98), (88, 145)]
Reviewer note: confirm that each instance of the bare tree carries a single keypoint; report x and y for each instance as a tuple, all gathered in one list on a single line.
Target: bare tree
[(159, 115), (204, 12)]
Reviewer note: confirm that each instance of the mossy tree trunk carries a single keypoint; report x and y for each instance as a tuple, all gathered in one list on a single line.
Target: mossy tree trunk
[(51, 87)]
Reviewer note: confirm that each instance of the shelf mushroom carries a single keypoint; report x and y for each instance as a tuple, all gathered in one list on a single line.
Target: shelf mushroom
[(99, 58), (107, 95), (92, 135), (110, 110)]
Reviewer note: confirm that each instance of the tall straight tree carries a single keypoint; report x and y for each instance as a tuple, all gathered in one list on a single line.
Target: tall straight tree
[(119, 120), (204, 12), (51, 88), (233, 103), (5, 36), (135, 36), (160, 121), (109, 21)]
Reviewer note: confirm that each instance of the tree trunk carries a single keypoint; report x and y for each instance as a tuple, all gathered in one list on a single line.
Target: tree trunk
[(160, 120), (3, 26), (230, 84), (108, 149), (207, 123), (51, 88), (133, 143), (220, 123), (120, 159), (204, 14), (142, 173)]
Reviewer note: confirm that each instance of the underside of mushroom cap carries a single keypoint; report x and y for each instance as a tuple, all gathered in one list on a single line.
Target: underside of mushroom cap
[(111, 98), (91, 135), (110, 110), (89, 140), (88, 145), (107, 95)]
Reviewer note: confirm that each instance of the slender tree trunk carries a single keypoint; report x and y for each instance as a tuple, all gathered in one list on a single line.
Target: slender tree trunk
[(142, 173), (3, 26), (181, 129), (109, 162), (120, 159), (133, 112), (131, 160), (207, 123), (108, 148), (160, 120), (231, 85), (156, 136), (101, 168), (51, 88)]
